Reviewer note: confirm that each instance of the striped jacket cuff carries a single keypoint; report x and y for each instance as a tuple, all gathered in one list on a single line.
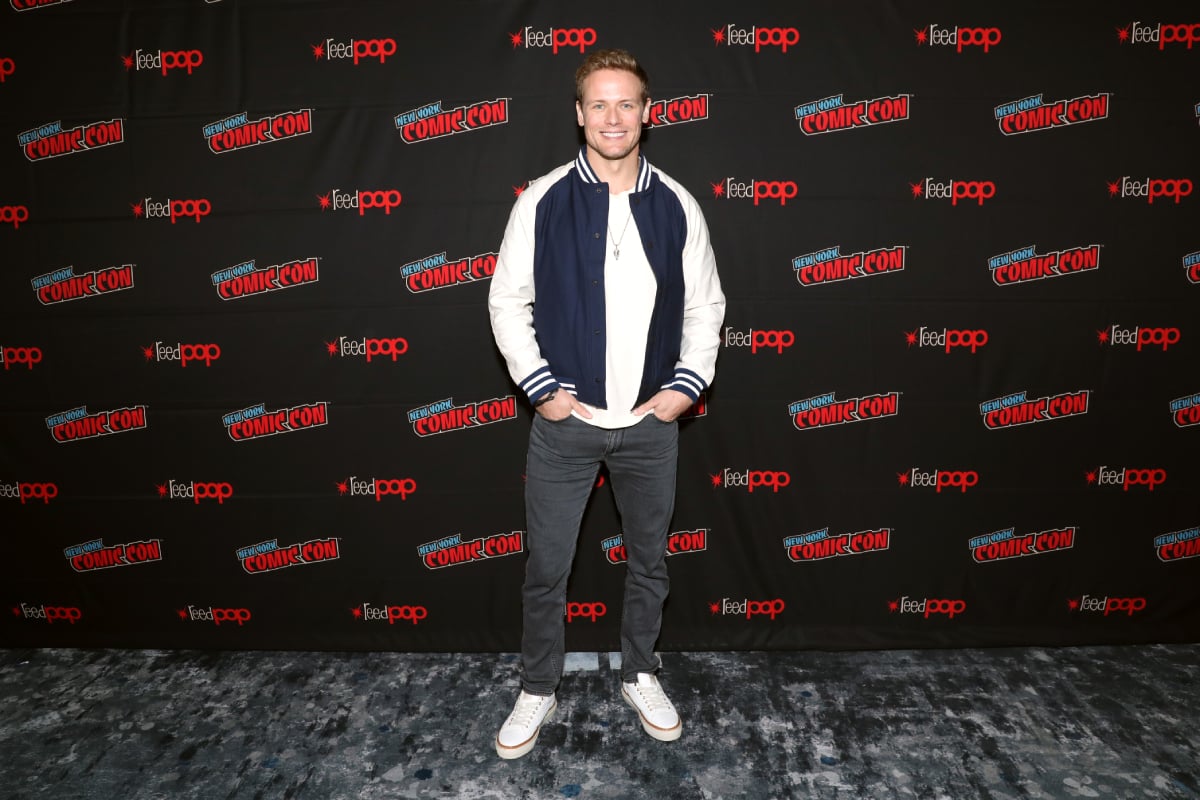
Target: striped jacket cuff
[(538, 384), (687, 382)]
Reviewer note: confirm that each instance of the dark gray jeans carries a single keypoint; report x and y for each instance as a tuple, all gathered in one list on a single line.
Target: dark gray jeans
[(563, 461)]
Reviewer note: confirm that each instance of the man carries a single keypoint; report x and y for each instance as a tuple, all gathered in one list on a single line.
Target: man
[(607, 308)]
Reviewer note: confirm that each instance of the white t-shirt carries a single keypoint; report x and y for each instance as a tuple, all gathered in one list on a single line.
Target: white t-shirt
[(629, 292)]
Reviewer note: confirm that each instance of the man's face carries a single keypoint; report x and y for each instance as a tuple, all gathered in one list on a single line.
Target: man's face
[(612, 113)]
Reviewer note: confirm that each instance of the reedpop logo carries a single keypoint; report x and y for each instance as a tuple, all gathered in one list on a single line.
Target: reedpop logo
[(1150, 188), (732, 35), (928, 607), (954, 190), (555, 38), (14, 215), (756, 190), (958, 37), (751, 478), (357, 49)]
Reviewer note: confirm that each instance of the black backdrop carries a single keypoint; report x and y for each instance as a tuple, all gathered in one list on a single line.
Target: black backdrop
[(249, 396)]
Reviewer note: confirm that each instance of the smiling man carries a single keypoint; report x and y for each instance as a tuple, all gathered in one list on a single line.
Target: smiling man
[(607, 308)]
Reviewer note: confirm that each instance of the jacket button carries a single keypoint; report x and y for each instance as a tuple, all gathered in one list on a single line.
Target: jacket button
[(595, 235), (595, 333), (649, 245), (595, 283)]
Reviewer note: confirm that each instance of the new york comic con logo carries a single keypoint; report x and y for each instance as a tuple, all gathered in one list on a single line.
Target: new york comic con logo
[(1177, 545), (760, 37), (163, 61), (248, 280), (1139, 337), (239, 131), (52, 140), (431, 121), (1017, 409), (444, 416), (573, 39), (1025, 264), (438, 272), (830, 266), (94, 555), (355, 50), (677, 542), (1160, 34), (1191, 263), (818, 545), (825, 410), (64, 285), (954, 190), (833, 114), (1035, 114), (678, 110), (77, 424), (1004, 544), (28, 5), (1185, 411), (268, 556), (452, 551), (764, 191), (958, 37), (256, 422)]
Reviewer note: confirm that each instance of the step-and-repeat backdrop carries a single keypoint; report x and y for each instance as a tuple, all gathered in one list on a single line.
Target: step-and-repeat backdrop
[(249, 396)]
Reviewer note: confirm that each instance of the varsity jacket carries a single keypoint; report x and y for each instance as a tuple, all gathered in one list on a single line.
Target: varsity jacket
[(547, 294)]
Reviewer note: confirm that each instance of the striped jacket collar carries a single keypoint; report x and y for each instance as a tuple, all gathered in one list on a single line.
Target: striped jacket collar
[(589, 175)]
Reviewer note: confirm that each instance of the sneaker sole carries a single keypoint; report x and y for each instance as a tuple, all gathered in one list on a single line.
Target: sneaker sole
[(662, 734), (516, 751)]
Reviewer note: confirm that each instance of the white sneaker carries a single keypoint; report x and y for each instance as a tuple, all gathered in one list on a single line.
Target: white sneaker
[(519, 732), (659, 717)]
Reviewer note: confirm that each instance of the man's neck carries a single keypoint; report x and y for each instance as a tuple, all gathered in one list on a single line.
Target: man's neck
[(619, 175)]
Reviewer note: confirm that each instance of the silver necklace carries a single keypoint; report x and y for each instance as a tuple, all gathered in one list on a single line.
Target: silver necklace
[(617, 242)]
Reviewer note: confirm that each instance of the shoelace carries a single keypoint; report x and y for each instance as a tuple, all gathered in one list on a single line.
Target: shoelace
[(526, 709), (653, 695)]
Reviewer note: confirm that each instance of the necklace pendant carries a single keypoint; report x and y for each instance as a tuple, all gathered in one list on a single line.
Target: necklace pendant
[(617, 253)]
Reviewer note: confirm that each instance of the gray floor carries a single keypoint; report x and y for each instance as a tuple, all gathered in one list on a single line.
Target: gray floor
[(1121, 722)]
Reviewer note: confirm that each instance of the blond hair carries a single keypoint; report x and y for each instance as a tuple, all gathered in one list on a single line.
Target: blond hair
[(610, 59)]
